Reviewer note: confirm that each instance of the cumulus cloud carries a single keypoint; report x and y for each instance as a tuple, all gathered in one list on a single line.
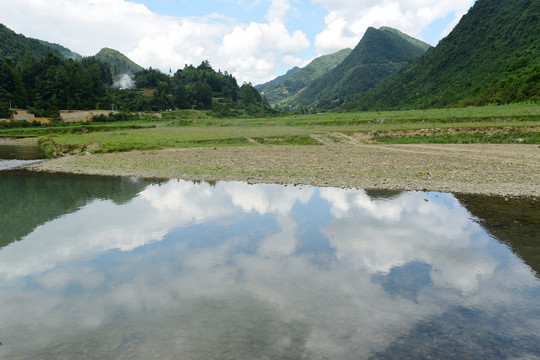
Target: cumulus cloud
[(255, 49), (84, 26), (347, 20), (405, 230), (195, 294), (248, 51), (278, 10)]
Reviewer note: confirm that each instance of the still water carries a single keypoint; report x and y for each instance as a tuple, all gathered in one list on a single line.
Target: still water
[(13, 156), (119, 268)]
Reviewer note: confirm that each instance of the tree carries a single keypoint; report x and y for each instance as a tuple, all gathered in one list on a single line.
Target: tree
[(5, 113), (202, 94)]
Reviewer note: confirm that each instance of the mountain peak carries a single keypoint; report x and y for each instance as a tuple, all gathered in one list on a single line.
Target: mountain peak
[(378, 55), (491, 56), (118, 62)]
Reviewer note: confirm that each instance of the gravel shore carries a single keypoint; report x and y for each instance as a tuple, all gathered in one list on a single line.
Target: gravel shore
[(509, 170)]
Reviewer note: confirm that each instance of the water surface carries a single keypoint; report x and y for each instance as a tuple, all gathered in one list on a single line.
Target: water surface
[(122, 268), (13, 156)]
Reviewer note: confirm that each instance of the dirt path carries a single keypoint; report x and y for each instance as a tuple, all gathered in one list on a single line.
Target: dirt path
[(485, 169)]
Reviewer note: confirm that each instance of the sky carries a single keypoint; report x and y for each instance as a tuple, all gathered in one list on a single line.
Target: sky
[(255, 40)]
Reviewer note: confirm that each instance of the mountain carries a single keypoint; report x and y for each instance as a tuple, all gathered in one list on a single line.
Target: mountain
[(491, 56), (279, 90), (16, 46), (118, 62), (379, 54), (277, 80), (65, 52)]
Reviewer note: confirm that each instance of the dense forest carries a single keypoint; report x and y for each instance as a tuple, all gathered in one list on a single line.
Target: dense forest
[(45, 78), (193, 87), (51, 84)]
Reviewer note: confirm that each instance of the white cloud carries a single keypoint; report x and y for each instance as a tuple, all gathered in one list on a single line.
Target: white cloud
[(84, 26), (174, 293), (254, 50), (452, 25), (278, 10), (348, 20), (251, 51), (407, 229)]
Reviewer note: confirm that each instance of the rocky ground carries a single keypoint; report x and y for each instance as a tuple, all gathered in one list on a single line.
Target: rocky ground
[(509, 170)]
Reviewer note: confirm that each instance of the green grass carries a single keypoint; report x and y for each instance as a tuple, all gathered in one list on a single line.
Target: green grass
[(190, 128), (513, 137)]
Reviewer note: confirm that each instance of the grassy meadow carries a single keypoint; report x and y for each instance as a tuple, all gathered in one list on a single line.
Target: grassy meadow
[(517, 123)]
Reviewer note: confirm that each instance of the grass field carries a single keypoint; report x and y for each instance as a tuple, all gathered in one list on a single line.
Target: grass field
[(188, 128)]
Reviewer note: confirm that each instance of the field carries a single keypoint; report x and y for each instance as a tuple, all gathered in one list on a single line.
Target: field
[(490, 150), (187, 129)]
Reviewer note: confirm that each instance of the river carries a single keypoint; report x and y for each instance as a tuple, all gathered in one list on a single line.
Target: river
[(125, 268)]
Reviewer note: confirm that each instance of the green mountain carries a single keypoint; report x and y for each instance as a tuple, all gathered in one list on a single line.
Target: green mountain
[(281, 89), (491, 56), (277, 80), (118, 62), (65, 52), (378, 55), (17, 46)]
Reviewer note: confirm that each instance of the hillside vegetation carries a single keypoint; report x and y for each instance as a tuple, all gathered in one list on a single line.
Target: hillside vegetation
[(45, 78), (491, 56), (380, 54), (65, 52), (17, 46), (280, 90), (118, 62)]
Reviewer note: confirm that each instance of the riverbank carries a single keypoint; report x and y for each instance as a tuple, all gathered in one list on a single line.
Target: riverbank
[(508, 170)]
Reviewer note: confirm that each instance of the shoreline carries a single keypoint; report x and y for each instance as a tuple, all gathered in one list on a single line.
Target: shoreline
[(488, 169)]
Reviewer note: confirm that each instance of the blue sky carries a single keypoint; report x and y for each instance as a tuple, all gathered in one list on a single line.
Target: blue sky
[(255, 40)]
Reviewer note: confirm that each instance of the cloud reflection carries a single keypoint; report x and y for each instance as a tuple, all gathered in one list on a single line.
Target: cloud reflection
[(110, 269)]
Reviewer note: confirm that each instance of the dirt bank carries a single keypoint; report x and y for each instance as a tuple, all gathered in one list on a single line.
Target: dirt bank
[(484, 169)]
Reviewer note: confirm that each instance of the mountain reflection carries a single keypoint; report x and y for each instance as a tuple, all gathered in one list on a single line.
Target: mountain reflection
[(505, 218), (231, 270)]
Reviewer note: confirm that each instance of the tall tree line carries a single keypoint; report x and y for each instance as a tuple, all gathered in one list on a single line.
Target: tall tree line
[(200, 88), (50, 84)]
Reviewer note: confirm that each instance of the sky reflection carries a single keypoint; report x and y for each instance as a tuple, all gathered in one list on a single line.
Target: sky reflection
[(240, 271)]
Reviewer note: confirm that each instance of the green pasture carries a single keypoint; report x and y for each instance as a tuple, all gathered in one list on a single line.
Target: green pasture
[(189, 128)]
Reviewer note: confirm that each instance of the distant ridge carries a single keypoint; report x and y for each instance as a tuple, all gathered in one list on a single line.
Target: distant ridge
[(491, 56), (280, 90), (65, 52), (278, 80), (379, 54), (15, 46)]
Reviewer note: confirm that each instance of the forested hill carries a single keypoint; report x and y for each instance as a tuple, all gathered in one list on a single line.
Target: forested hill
[(378, 55), (65, 52), (491, 56), (280, 90), (16, 46), (118, 62), (45, 78), (51, 84)]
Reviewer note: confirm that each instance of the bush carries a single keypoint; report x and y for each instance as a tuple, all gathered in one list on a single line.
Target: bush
[(112, 117)]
